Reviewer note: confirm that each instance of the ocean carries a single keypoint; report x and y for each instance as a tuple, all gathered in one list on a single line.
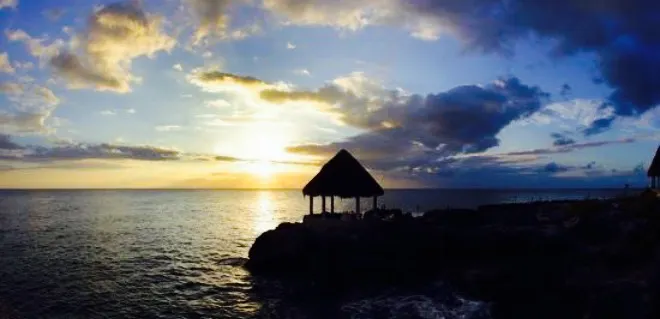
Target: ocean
[(177, 254)]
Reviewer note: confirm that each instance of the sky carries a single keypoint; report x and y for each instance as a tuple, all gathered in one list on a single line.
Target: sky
[(260, 93)]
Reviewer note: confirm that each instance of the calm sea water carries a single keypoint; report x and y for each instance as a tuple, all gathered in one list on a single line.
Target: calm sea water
[(173, 254)]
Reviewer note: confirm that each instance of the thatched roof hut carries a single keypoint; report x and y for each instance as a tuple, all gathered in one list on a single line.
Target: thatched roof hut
[(343, 176), (654, 169)]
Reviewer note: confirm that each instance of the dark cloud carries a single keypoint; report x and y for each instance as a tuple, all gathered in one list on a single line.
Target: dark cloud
[(7, 144), (623, 35), (217, 77), (568, 148), (590, 165), (468, 118), (599, 126), (422, 129), (561, 139), (278, 96), (553, 167), (470, 172), (565, 90), (640, 169), (105, 151), (226, 159), (93, 151), (69, 67)]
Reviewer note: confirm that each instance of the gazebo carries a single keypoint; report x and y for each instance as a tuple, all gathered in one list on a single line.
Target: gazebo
[(654, 170), (344, 177)]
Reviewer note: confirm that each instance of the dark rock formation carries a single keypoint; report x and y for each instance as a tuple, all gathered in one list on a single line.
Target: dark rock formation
[(584, 259)]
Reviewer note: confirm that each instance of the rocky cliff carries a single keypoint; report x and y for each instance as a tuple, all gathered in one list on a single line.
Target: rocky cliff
[(585, 259)]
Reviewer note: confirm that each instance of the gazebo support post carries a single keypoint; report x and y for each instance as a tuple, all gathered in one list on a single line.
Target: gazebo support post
[(332, 204), (323, 204), (375, 202), (311, 205), (357, 205)]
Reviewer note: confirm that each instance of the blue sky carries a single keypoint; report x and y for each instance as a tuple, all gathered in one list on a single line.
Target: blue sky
[(232, 93)]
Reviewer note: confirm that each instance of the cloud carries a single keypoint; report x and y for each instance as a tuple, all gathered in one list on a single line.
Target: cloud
[(5, 64), (70, 151), (168, 128), (598, 126), (290, 46), (81, 151), (216, 77), (216, 81), (304, 72), (177, 67), (624, 41), (35, 46), (212, 16), (561, 139), (47, 95), (27, 65), (54, 14), (8, 4), (7, 144), (108, 113), (219, 103), (414, 130), (28, 96), (354, 15), (213, 22), (130, 111), (355, 99), (11, 88), (569, 147), (31, 105), (402, 129), (553, 167), (115, 35), (565, 90), (24, 122), (226, 159), (590, 165), (69, 67), (580, 113)]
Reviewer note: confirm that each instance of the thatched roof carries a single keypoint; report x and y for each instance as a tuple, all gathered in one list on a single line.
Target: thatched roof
[(654, 169), (345, 177)]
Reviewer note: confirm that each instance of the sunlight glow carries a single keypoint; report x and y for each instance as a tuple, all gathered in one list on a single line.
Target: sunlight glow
[(260, 149), (264, 169)]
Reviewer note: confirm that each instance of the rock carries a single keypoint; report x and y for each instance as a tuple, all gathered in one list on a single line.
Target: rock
[(576, 262), (623, 300)]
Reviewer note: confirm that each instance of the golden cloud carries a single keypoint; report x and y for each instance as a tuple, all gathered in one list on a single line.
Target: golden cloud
[(115, 36)]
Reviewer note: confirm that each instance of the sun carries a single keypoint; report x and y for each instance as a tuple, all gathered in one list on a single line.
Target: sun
[(261, 151), (264, 155), (262, 168)]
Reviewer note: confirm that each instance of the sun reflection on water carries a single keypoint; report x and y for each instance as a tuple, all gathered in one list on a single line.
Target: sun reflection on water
[(264, 218)]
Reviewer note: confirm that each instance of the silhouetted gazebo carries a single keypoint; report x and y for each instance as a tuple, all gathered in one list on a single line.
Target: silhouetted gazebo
[(654, 170), (342, 176)]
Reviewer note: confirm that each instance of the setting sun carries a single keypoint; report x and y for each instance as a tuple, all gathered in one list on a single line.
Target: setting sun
[(264, 169)]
